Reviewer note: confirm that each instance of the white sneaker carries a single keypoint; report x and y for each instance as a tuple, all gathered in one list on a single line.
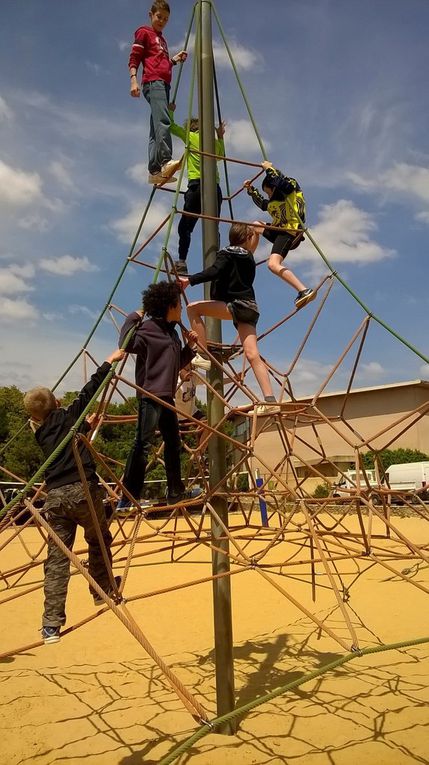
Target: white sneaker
[(170, 167), (267, 408), (200, 362), (158, 179)]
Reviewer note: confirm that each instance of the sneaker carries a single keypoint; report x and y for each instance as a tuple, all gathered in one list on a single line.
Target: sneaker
[(267, 408), (200, 362), (98, 601), (50, 634), (304, 297), (159, 180), (181, 267), (185, 495), (170, 167)]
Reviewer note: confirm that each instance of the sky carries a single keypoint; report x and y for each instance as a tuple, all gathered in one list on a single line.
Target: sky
[(339, 93)]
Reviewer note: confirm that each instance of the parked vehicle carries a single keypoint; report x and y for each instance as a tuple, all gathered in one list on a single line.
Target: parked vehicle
[(409, 476)]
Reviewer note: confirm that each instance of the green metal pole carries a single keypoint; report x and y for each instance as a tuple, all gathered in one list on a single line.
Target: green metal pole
[(216, 447)]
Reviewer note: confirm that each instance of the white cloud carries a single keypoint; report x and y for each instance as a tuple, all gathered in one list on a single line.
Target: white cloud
[(423, 216), (11, 310), (424, 371), (138, 173), (66, 265), (18, 188), (26, 270), (6, 113), (61, 173), (83, 309), (372, 369), (344, 235), (241, 137), (244, 58), (125, 228), (33, 223), (402, 180), (11, 284)]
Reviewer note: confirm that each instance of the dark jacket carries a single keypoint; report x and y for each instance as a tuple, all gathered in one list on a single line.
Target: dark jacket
[(64, 470), (232, 275), (159, 354)]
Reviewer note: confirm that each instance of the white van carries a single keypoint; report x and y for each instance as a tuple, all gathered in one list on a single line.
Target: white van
[(410, 476), (346, 484)]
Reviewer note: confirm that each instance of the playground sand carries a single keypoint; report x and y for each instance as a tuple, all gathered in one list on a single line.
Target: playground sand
[(97, 696)]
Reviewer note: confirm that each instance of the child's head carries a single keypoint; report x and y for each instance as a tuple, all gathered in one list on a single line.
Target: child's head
[(39, 402), (268, 186), (162, 301), (159, 14), (194, 124), (243, 235)]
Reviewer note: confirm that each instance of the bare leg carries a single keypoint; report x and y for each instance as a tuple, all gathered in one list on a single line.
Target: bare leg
[(214, 308), (275, 264), (247, 333)]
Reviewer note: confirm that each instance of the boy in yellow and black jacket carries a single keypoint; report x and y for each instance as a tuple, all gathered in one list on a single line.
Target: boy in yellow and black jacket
[(286, 205)]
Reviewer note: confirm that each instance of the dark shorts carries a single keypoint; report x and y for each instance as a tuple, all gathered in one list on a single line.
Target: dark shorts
[(244, 312), (282, 243)]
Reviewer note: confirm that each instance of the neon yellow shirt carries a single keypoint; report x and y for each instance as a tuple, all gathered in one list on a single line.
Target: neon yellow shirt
[(194, 160)]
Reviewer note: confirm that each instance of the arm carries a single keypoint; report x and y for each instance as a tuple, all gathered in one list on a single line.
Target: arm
[(212, 272), (179, 58), (177, 130), (78, 405), (133, 320), (136, 58), (257, 198)]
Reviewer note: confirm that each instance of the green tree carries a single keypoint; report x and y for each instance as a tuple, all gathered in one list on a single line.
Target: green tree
[(394, 457)]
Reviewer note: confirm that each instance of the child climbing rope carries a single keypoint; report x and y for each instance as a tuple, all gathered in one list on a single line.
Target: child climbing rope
[(286, 205), (150, 49), (159, 357), (192, 201), (233, 298), (66, 505)]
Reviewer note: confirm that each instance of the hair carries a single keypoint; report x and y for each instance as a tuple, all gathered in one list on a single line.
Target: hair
[(268, 183), (39, 402), (159, 5), (239, 233), (194, 124), (158, 298)]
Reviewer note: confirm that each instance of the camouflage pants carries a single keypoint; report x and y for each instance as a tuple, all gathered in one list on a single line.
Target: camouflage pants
[(66, 509)]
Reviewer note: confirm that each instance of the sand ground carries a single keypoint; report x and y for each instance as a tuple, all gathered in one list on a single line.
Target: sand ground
[(97, 696)]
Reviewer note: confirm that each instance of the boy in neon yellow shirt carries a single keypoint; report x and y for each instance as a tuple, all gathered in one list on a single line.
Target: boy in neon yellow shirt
[(192, 201)]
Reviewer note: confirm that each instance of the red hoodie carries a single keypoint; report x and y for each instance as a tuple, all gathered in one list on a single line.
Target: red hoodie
[(150, 49)]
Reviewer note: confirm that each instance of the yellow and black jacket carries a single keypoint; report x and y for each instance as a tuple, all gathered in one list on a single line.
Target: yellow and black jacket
[(287, 204)]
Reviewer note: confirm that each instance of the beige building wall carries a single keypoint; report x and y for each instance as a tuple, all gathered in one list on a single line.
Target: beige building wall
[(353, 420)]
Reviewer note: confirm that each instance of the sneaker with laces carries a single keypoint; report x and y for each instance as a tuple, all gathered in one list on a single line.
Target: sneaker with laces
[(181, 267), (50, 634), (201, 362), (304, 297), (194, 493), (98, 601), (169, 168)]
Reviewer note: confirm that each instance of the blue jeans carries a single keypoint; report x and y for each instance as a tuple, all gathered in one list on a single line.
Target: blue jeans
[(151, 417), (157, 95)]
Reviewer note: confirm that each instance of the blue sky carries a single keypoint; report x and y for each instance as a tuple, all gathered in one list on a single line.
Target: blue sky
[(339, 93)]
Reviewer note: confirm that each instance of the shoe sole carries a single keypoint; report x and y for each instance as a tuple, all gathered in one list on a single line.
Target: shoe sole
[(53, 639), (307, 299)]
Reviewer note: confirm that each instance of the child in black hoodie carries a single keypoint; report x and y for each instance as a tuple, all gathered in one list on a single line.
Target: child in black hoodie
[(66, 506), (232, 275)]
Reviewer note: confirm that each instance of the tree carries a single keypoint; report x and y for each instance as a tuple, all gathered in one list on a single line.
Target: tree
[(390, 457)]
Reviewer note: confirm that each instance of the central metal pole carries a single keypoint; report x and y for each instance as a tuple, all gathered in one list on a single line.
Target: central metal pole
[(216, 447)]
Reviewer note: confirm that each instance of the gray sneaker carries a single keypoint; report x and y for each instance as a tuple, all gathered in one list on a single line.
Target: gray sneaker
[(181, 267)]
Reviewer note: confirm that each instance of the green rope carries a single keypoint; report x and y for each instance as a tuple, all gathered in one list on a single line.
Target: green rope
[(243, 92), (114, 288), (212, 725)]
